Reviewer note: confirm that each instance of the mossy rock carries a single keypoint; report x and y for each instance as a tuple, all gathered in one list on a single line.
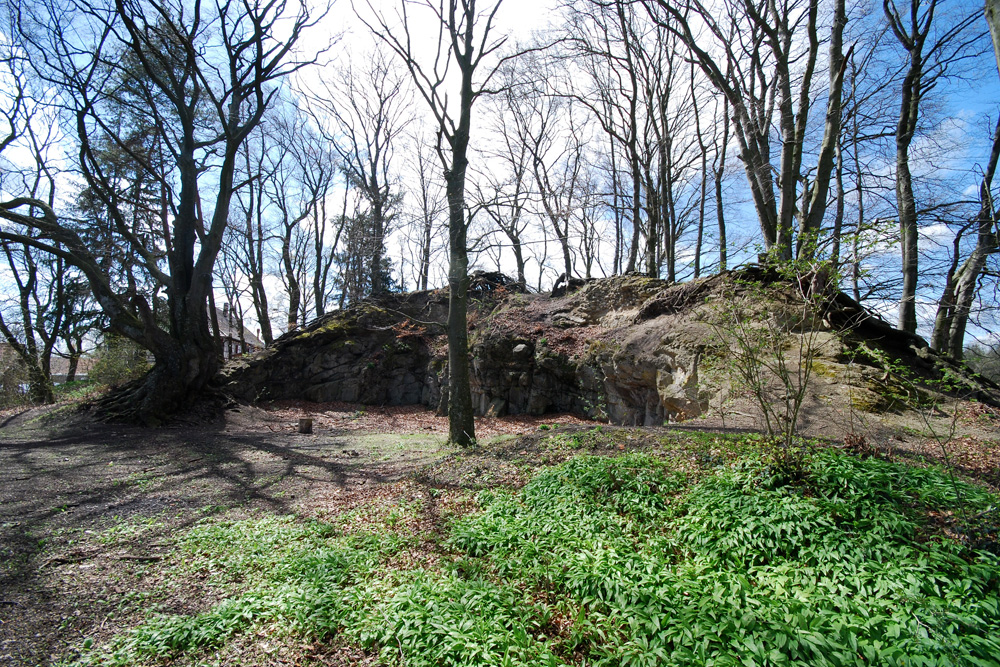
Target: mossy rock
[(888, 394), (826, 370), (870, 401)]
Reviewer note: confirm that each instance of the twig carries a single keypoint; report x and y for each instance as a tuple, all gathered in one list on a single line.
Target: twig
[(64, 560)]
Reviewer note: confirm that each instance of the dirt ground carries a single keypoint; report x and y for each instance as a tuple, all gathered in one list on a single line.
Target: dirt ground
[(68, 482)]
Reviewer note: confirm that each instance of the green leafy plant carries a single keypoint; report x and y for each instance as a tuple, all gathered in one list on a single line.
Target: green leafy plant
[(118, 360), (908, 391), (620, 561), (836, 570)]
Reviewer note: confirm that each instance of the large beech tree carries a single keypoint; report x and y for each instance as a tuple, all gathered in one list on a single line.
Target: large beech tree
[(193, 79)]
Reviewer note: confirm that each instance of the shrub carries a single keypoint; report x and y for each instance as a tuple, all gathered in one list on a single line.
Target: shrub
[(13, 382), (119, 360)]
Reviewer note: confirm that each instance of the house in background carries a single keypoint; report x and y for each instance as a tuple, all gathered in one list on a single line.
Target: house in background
[(59, 368), (235, 338), (14, 374)]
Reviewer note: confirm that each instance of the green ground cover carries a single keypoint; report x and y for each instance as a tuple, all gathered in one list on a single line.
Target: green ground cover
[(814, 559)]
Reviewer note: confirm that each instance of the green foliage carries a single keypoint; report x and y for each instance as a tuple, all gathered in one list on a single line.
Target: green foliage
[(841, 569), (75, 390), (596, 437), (303, 577), (446, 621), (119, 360), (624, 561), (13, 382)]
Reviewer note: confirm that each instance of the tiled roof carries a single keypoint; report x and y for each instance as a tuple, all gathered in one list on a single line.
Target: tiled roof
[(229, 327)]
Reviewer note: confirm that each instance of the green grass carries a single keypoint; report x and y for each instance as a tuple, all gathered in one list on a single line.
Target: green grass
[(451, 620), (123, 530), (818, 559), (77, 390)]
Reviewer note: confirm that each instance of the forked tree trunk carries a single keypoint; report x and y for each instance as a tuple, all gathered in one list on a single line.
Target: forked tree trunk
[(962, 282)]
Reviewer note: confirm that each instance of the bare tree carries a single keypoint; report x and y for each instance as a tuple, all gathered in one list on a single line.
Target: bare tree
[(928, 61), (504, 193), (430, 206), (603, 41), (865, 131), (363, 110), (250, 231), (546, 139), (768, 57), (36, 302), (22, 321), (962, 282), (304, 169), (466, 39), (667, 149), (200, 78), (589, 222)]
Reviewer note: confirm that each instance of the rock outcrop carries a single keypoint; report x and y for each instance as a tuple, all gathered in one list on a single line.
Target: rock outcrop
[(628, 349)]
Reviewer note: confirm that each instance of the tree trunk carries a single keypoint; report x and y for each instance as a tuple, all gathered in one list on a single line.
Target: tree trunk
[(519, 260), (993, 20), (616, 262), (40, 389), (816, 208), (378, 240), (838, 217), (909, 108), (946, 304), (907, 207), (425, 252), (294, 292), (653, 224), (633, 252), (461, 418), (213, 316), (703, 150), (74, 363), (178, 378), (563, 234), (719, 171)]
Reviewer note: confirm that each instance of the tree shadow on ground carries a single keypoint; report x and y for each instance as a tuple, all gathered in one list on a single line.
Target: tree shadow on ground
[(64, 483)]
